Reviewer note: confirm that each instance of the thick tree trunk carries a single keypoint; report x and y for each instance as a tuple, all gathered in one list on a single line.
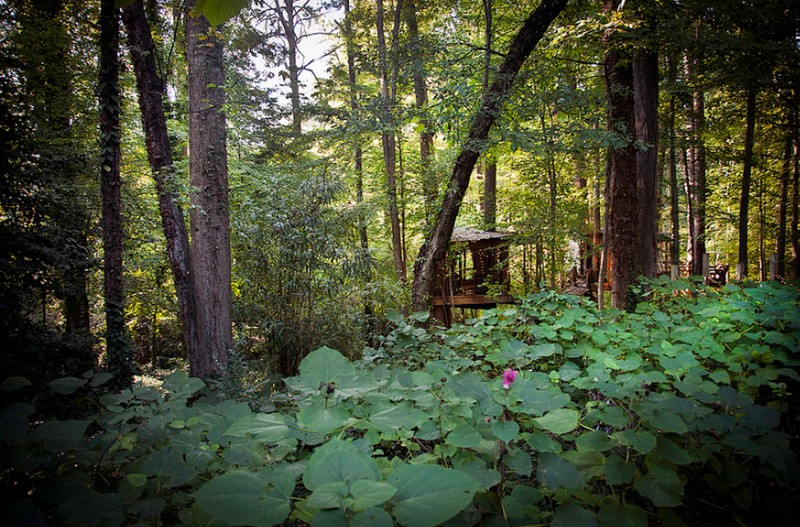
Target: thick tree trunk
[(645, 94), (744, 202), (622, 196), (118, 349), (150, 88), (210, 218), (795, 130), (388, 140), (435, 246), (429, 186)]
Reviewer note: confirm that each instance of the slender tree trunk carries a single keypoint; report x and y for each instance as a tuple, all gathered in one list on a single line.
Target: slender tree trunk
[(286, 15), (783, 201), (695, 166), (744, 203), (675, 246), (429, 186), (489, 204), (117, 344), (435, 246), (150, 88), (388, 143), (210, 219)]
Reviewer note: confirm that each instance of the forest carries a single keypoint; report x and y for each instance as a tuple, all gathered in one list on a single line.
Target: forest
[(398, 262)]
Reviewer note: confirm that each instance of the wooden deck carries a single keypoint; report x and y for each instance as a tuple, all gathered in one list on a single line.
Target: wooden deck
[(476, 301)]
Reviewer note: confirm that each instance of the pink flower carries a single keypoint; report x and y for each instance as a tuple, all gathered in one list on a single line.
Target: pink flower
[(508, 377)]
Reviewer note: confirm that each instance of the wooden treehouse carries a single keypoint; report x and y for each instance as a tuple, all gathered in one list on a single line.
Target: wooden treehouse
[(474, 274)]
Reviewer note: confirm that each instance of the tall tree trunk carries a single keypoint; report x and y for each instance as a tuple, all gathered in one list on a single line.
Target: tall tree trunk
[(435, 246), (208, 171), (645, 94), (747, 168), (285, 10), (783, 202), (429, 185), (695, 167), (623, 193), (117, 344), (388, 139), (151, 89), (489, 204), (674, 214), (795, 131)]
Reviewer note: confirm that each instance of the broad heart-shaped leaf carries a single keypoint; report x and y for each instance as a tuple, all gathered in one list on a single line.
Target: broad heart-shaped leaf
[(390, 418), (245, 498), (322, 420), (464, 436), (505, 430), (340, 461), (621, 514), (329, 496), (372, 517), (559, 421), (618, 471), (366, 493), (573, 515), (555, 471), (662, 485), (66, 385), (428, 495), (325, 365), (268, 428), (220, 11), (59, 436)]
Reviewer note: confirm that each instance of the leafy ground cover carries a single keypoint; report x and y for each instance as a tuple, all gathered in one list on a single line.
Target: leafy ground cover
[(683, 412)]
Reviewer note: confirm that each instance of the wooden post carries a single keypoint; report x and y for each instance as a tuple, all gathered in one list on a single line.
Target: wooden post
[(705, 267)]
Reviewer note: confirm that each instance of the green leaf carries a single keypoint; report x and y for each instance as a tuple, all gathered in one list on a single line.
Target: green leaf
[(464, 436), (322, 420), (15, 383), (666, 421), (590, 464), (267, 428), (244, 498), (60, 436), (341, 461), (518, 461), (662, 485), (325, 365), (559, 421), (366, 493), (613, 513), (329, 496), (220, 11), (428, 495), (136, 479), (181, 385), (555, 471), (397, 416), (618, 471), (573, 515), (100, 379), (641, 440), (66, 385), (505, 430)]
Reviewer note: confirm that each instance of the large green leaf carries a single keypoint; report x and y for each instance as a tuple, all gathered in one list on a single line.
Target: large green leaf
[(59, 436), (662, 485), (268, 428), (220, 11), (245, 498), (338, 461), (555, 471), (322, 420), (392, 417), (615, 514), (428, 495), (325, 365), (559, 421)]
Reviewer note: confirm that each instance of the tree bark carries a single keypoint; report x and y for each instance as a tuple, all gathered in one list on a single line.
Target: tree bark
[(489, 204), (210, 217), (783, 201), (150, 88), (388, 139), (429, 187), (285, 10), (675, 246), (435, 246), (696, 170), (744, 202), (118, 349), (645, 94)]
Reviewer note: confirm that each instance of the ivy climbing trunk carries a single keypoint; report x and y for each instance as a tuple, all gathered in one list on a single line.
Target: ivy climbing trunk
[(208, 173), (151, 90), (118, 347), (435, 246)]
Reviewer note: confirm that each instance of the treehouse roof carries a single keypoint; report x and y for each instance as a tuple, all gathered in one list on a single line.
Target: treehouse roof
[(468, 234)]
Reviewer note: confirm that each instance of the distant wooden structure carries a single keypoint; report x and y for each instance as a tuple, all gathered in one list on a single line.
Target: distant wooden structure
[(474, 274)]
